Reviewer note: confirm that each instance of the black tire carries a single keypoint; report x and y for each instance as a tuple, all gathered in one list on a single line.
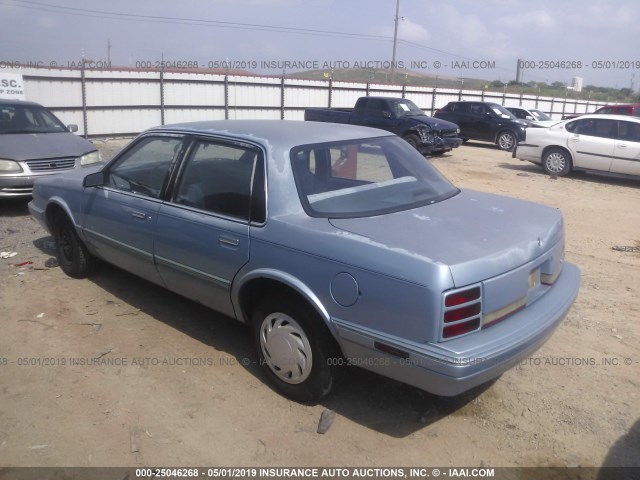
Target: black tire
[(507, 140), (287, 323), (557, 162), (73, 256), (412, 139)]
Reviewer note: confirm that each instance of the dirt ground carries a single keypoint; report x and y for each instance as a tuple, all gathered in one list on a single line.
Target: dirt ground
[(181, 388)]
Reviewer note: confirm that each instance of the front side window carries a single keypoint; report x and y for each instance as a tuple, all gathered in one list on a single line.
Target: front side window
[(365, 177), (144, 167), (218, 178)]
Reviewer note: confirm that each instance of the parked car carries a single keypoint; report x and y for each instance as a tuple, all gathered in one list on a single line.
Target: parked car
[(428, 135), (485, 121), (34, 143), (631, 109), (601, 143), (533, 116), (337, 244)]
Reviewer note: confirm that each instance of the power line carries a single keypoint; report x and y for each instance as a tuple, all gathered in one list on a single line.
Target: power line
[(92, 13), (85, 12)]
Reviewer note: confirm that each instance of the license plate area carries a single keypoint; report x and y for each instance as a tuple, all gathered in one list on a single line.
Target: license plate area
[(534, 279)]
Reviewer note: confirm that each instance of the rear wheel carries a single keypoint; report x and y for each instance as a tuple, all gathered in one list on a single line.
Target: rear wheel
[(556, 161), (73, 256), (506, 140), (295, 348)]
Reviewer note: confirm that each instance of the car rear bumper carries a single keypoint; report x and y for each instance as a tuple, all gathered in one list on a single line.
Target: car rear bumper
[(530, 153), (447, 370)]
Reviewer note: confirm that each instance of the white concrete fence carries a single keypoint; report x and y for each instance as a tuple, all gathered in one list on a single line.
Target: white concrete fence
[(117, 103)]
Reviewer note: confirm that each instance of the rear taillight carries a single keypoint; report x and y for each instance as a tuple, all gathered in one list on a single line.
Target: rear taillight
[(462, 311)]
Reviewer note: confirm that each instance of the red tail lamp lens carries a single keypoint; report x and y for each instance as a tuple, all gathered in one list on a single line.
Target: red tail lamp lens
[(458, 298), (461, 328)]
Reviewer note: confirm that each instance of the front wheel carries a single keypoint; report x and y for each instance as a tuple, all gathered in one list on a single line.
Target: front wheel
[(73, 256), (412, 139), (295, 349), (506, 140), (556, 161)]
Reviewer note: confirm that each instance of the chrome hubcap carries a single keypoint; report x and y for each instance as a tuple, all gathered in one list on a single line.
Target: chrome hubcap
[(556, 162), (506, 141), (286, 348)]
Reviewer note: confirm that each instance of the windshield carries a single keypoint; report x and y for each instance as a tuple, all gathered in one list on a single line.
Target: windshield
[(365, 177), (28, 119), (405, 108), (540, 115), (501, 111)]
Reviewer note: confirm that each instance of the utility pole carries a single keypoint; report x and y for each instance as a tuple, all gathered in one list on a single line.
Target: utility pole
[(109, 50), (395, 41)]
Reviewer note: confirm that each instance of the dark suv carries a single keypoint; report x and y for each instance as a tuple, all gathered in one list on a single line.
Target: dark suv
[(485, 121)]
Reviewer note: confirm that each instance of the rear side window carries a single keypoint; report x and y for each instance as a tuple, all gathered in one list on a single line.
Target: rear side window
[(218, 178), (459, 107), (629, 131)]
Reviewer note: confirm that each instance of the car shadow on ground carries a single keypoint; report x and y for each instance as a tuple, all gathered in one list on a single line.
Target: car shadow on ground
[(485, 145), (14, 207), (376, 402), (601, 178), (623, 459)]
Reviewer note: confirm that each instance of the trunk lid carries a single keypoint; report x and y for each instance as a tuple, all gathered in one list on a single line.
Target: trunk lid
[(477, 235)]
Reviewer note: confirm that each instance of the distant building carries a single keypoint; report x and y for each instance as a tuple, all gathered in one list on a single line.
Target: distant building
[(576, 83)]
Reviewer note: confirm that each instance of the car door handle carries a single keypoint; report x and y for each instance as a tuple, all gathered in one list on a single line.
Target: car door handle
[(622, 145), (140, 215), (230, 242)]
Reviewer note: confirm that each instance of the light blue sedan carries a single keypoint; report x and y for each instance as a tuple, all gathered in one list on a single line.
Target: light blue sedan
[(338, 245)]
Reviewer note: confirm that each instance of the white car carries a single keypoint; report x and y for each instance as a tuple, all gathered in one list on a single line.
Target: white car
[(602, 143), (533, 116)]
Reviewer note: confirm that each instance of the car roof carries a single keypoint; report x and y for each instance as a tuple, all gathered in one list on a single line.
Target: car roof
[(284, 133), (608, 116), (13, 101), (620, 105), (379, 97), (476, 101)]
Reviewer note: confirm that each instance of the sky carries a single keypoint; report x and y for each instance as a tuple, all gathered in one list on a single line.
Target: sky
[(558, 40)]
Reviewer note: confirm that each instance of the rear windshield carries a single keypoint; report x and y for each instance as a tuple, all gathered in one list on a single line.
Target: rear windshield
[(365, 177), (28, 119)]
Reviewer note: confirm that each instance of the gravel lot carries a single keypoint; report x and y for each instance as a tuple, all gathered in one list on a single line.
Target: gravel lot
[(114, 371)]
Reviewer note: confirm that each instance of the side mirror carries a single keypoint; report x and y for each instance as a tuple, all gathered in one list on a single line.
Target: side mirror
[(529, 117), (94, 180), (386, 114), (72, 128)]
